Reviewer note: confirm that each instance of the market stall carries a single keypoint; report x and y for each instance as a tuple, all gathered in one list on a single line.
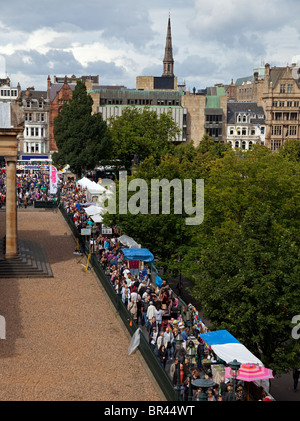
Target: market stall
[(228, 348), (143, 255)]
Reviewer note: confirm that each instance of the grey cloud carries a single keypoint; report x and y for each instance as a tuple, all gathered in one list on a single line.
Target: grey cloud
[(244, 23), (195, 65), (128, 20), (61, 63)]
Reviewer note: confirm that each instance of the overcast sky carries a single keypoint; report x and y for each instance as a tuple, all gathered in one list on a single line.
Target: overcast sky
[(214, 41)]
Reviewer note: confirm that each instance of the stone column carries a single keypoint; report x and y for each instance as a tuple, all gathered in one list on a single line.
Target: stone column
[(11, 250)]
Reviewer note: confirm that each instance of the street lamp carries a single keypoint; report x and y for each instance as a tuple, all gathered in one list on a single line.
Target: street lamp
[(190, 354), (94, 229), (178, 341), (119, 293), (204, 384), (234, 372)]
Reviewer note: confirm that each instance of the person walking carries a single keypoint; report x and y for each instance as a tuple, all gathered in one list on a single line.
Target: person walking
[(159, 315), (151, 311), (170, 341), (163, 355), (296, 372), (132, 308)]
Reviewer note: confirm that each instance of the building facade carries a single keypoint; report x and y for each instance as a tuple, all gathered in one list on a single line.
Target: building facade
[(245, 124), (112, 102), (277, 90), (281, 101), (34, 144)]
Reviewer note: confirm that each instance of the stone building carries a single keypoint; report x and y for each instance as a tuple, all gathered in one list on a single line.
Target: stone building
[(245, 124), (277, 90), (216, 113), (34, 144), (281, 102), (111, 102)]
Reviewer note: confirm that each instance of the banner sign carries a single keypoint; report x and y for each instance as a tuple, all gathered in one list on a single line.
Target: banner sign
[(32, 167), (53, 179), (86, 231)]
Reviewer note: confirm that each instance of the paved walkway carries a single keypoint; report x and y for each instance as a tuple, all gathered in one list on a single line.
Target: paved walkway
[(63, 339)]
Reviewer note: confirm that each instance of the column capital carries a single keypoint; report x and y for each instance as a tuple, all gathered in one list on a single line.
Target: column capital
[(11, 159)]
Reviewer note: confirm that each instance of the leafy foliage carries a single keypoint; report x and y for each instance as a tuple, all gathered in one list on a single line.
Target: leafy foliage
[(143, 133)]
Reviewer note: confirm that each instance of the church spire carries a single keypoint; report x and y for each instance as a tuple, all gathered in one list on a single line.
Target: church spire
[(168, 63)]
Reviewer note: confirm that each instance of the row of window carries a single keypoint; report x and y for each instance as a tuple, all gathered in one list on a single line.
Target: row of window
[(39, 117), (245, 90), (245, 131), (288, 104), (34, 131), (285, 116), (214, 118), (214, 132), (9, 92), (286, 88), (275, 144), (286, 131), (105, 101), (30, 103), (243, 144), (33, 147), (246, 118)]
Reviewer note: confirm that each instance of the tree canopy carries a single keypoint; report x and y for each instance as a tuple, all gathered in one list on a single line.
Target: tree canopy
[(244, 258), (142, 133), (82, 138)]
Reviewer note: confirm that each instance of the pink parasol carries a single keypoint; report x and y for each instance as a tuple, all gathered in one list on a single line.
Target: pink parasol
[(251, 372)]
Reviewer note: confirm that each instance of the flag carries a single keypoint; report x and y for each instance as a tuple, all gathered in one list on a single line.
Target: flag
[(261, 130), (53, 179)]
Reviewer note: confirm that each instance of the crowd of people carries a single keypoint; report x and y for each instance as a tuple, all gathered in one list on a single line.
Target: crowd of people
[(32, 186)]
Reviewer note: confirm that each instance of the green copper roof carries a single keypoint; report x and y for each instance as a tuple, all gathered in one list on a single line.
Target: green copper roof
[(212, 102)]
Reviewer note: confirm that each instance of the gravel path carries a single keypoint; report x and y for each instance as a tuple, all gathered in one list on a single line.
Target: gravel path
[(63, 339)]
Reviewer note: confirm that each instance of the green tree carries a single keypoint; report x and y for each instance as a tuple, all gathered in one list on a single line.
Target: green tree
[(141, 132), (82, 138), (291, 149), (244, 258), (213, 149)]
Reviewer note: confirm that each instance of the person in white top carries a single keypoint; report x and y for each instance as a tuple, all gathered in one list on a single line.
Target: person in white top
[(151, 311), (134, 295)]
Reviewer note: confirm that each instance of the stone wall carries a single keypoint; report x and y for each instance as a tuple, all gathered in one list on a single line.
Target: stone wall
[(195, 105)]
